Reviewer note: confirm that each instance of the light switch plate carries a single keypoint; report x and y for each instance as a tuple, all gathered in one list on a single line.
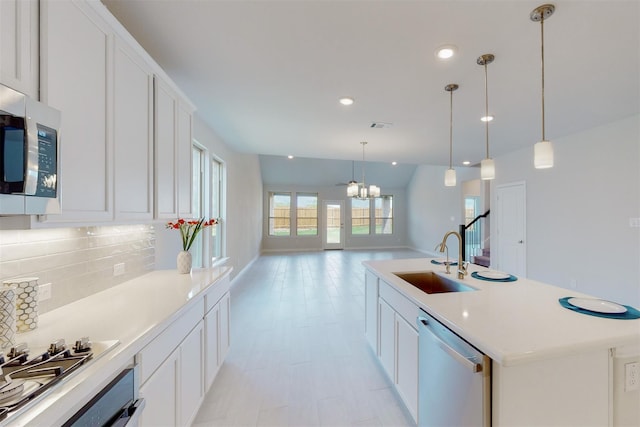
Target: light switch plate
[(632, 376), (118, 269)]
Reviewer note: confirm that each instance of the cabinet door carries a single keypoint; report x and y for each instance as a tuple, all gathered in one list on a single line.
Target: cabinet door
[(133, 135), (184, 144), (212, 331), (160, 393), (386, 348), (225, 328), (76, 48), (166, 155), (371, 309), (407, 364), (191, 375), (19, 45)]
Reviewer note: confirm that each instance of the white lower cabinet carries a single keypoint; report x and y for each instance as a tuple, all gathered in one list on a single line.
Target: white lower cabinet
[(160, 393), (371, 309), (191, 383), (179, 365), (407, 364), (398, 344), (216, 325)]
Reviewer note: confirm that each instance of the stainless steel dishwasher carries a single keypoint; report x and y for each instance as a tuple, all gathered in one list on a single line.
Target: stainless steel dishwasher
[(454, 386)]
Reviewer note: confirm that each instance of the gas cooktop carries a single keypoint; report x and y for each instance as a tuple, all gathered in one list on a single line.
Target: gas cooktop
[(27, 375)]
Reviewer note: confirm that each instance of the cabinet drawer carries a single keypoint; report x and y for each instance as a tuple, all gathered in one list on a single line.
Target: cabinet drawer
[(402, 305), (217, 291), (152, 356)]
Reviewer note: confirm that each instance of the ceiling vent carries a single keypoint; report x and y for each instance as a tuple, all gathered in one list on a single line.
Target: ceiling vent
[(381, 125)]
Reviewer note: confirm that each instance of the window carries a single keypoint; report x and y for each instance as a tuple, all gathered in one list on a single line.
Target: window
[(197, 167), (360, 216), (217, 175), (279, 214), (306, 214), (384, 215)]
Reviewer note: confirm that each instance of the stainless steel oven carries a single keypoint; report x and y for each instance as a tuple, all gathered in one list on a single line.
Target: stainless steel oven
[(116, 405)]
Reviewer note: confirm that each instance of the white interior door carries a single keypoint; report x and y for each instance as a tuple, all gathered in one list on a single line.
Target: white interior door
[(333, 220), (511, 224)]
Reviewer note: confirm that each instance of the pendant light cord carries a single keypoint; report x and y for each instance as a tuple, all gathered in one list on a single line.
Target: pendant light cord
[(451, 131), (363, 182), (542, 55), (486, 106)]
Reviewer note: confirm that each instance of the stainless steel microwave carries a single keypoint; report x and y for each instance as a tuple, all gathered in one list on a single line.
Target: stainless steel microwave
[(29, 151)]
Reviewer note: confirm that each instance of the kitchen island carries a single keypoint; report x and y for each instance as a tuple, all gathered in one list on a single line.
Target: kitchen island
[(550, 365), (150, 315)]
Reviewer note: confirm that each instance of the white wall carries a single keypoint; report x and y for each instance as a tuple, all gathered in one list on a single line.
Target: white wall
[(578, 212), (434, 209), (243, 214), (295, 243)]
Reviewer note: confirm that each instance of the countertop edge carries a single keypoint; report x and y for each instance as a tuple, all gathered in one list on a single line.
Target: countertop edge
[(59, 404)]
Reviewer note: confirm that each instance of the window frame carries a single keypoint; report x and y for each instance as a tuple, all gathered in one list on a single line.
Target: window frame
[(271, 208), (297, 212), (382, 217)]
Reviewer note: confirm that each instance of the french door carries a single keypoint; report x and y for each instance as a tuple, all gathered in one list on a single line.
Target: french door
[(333, 220)]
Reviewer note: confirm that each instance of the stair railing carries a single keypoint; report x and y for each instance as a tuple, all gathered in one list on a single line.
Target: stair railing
[(471, 235)]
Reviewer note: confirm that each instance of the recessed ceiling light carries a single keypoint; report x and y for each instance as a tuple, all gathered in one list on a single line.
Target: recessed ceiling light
[(346, 100), (446, 52), (394, 163), (466, 163), (486, 118), (289, 156)]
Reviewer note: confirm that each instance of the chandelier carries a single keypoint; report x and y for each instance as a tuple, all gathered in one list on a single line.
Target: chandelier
[(359, 190)]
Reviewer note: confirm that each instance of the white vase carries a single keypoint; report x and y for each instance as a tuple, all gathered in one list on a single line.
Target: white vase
[(184, 262)]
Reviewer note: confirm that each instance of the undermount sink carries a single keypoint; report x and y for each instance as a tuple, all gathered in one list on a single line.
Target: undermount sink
[(432, 283)]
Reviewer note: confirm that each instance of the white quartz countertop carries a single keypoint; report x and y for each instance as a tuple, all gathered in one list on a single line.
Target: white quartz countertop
[(133, 313), (512, 322)]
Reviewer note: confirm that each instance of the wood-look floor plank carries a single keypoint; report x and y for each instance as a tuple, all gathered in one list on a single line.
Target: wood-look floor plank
[(298, 355)]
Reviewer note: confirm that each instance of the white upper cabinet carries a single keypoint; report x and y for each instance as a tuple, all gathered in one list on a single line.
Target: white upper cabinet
[(115, 165), (173, 142), (132, 134), (19, 45), (76, 50)]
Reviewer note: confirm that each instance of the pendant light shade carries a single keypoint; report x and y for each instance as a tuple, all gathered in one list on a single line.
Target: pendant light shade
[(450, 177), (543, 155), (543, 150), (450, 174), (487, 167)]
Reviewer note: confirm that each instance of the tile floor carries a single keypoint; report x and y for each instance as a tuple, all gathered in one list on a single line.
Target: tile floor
[(298, 354)]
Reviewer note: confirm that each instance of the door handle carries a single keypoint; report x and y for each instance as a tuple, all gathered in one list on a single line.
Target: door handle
[(521, 241)]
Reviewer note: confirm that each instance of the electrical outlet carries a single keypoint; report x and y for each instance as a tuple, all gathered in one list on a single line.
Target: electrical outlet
[(634, 222), (632, 376), (44, 292), (118, 269)]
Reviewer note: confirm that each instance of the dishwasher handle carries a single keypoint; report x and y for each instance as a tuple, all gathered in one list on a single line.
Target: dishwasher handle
[(467, 363)]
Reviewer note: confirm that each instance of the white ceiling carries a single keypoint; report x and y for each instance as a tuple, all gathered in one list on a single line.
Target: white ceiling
[(266, 75)]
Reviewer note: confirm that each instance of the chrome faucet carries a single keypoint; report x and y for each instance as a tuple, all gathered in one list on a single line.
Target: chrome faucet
[(462, 266)]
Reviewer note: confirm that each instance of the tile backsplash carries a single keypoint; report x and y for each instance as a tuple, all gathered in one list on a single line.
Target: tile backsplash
[(77, 261)]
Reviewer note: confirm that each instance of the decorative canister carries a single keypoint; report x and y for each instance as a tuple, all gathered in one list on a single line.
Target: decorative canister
[(26, 302), (7, 317)]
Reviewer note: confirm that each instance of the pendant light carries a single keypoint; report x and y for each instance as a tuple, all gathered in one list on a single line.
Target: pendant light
[(487, 167), (360, 190), (450, 174), (352, 186), (543, 150)]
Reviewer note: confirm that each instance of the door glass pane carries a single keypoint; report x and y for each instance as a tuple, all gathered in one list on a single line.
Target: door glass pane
[(333, 223)]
